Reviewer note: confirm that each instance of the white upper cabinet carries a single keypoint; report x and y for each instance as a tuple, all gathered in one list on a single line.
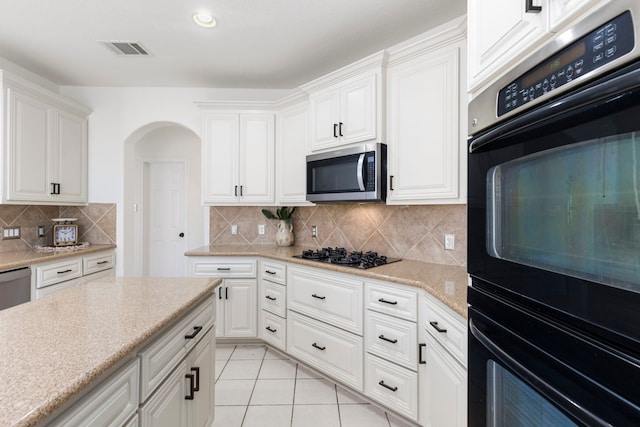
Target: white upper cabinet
[(501, 29), (292, 136), (346, 106), (424, 129), (504, 32), (238, 158), (45, 143)]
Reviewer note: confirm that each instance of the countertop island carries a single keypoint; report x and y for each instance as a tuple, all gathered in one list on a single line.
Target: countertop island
[(54, 349)]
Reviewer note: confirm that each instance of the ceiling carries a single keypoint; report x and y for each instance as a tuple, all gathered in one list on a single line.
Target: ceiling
[(256, 43)]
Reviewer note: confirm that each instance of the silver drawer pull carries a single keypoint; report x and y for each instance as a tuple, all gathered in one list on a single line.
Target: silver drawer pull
[(394, 389), (268, 328), (437, 328), (270, 272), (387, 302), (383, 338), (317, 296), (318, 347), (269, 297)]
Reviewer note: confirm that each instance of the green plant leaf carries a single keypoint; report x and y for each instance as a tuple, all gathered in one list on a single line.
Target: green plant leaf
[(268, 214)]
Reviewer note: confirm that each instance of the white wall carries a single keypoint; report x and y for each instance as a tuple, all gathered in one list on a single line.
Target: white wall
[(121, 116)]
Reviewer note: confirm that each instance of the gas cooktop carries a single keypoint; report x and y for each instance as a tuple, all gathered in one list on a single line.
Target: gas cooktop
[(340, 256)]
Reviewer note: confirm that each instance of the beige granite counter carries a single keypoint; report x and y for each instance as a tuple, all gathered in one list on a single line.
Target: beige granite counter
[(17, 259), (54, 348), (445, 282)]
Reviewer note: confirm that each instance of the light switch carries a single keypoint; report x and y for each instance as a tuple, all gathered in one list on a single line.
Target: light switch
[(234, 229)]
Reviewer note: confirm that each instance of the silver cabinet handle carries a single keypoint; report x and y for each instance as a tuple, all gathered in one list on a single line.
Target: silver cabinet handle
[(360, 172)]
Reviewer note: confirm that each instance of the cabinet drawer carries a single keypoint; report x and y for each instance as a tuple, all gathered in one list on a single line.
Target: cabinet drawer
[(274, 272), (95, 263), (273, 298), (392, 339), (392, 300), (43, 292), (332, 298), (391, 385), (449, 329), (51, 274), (222, 267), (99, 275), (161, 356), (109, 404), (330, 350), (273, 329)]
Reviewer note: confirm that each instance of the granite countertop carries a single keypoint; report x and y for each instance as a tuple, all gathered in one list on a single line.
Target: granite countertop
[(53, 348), (445, 282), (18, 259)]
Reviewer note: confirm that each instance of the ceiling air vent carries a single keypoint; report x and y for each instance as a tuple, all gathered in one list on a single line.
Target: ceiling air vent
[(126, 48)]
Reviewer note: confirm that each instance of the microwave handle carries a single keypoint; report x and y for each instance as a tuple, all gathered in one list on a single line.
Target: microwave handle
[(360, 172)]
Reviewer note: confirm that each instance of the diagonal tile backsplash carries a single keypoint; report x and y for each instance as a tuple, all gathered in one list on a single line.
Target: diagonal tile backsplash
[(414, 232), (96, 223)]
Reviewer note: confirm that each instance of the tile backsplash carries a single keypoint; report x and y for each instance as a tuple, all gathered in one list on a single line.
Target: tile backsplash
[(96, 223), (413, 232)]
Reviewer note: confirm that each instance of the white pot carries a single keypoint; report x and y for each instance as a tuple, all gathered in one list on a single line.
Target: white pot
[(284, 236)]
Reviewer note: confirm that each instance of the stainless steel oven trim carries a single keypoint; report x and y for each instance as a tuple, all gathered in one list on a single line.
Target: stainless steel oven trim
[(483, 108)]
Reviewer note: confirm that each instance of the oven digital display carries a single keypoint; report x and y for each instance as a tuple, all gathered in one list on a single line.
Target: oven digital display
[(598, 48)]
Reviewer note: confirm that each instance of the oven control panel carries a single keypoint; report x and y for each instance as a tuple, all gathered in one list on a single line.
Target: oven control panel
[(598, 48)]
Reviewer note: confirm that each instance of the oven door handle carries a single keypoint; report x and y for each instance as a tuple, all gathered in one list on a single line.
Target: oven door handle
[(541, 385), (608, 91), (361, 172)]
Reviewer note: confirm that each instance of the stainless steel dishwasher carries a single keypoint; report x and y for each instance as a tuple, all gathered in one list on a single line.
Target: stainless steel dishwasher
[(15, 287)]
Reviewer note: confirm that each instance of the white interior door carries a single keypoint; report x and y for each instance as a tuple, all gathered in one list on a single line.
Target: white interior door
[(165, 219)]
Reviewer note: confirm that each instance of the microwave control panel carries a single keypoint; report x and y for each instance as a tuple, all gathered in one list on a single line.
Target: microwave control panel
[(598, 48), (370, 181)]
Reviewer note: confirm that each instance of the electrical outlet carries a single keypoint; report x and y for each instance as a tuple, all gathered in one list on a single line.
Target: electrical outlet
[(234, 229), (41, 231), (449, 242), (314, 231), (260, 228), (12, 232)]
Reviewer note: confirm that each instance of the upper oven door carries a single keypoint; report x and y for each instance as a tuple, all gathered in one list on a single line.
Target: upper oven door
[(554, 203)]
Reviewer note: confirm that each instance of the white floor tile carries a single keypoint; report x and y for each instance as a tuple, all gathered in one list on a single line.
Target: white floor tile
[(233, 392), (315, 391), (275, 354), (346, 397), (220, 364), (315, 416), (223, 352), (362, 415), (241, 370), (273, 392), (306, 372), (229, 416), (397, 422), (277, 369), (268, 416), (248, 352)]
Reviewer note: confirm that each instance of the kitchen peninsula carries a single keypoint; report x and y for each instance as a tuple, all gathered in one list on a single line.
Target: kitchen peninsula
[(58, 349)]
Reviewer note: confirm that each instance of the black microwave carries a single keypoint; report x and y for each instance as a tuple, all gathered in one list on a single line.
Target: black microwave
[(353, 174)]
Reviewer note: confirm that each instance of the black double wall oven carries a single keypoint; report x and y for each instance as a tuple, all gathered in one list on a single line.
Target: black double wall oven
[(554, 233)]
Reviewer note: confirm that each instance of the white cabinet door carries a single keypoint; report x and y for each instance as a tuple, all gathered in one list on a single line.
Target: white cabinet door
[(257, 159), (238, 158), (240, 310), (168, 407), (202, 365), (29, 145), (501, 32), (325, 109), (220, 158), (563, 11), (423, 128), (443, 391), (71, 165), (291, 150), (358, 110), (220, 313)]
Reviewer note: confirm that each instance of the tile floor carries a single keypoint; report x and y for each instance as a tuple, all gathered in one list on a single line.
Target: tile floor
[(258, 386)]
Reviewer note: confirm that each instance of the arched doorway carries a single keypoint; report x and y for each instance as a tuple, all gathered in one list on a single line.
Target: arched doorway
[(164, 216)]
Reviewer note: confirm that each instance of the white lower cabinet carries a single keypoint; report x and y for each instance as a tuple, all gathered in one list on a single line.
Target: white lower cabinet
[(111, 403), (336, 352), (273, 330), (392, 385), (272, 306)]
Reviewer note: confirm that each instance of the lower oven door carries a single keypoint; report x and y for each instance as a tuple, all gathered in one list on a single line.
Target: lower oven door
[(528, 371)]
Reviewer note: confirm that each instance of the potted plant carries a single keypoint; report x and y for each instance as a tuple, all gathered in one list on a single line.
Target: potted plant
[(284, 236)]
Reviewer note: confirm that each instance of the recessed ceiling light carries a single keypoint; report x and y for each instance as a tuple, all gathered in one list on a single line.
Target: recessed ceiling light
[(204, 19)]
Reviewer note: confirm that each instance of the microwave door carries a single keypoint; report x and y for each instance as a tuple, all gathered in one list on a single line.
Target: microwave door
[(360, 169)]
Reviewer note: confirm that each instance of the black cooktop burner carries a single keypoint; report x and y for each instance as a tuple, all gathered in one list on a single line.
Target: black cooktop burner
[(355, 259)]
